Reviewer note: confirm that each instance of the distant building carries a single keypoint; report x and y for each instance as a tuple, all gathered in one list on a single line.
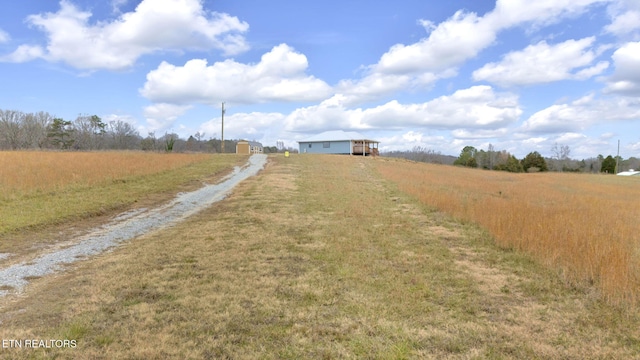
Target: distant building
[(631, 172), (339, 142), (248, 147)]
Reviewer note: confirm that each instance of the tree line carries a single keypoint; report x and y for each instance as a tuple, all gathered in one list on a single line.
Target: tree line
[(502, 160), (41, 130), (422, 154)]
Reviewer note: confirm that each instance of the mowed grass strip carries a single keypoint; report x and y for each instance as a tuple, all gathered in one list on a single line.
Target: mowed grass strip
[(316, 257), (44, 188), (584, 226)]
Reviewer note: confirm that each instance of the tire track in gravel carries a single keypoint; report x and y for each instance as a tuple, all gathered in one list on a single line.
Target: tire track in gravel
[(126, 226)]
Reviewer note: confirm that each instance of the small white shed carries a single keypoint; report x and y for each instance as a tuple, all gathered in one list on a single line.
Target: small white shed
[(630, 172)]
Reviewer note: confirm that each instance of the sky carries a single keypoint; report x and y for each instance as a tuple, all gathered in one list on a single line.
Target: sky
[(517, 74)]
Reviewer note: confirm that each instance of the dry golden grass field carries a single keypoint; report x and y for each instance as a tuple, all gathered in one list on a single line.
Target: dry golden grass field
[(585, 226), (321, 257), (43, 188)]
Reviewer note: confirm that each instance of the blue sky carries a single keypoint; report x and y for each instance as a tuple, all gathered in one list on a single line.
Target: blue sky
[(517, 74)]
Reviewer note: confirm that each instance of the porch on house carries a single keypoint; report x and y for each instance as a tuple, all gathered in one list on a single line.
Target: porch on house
[(365, 147)]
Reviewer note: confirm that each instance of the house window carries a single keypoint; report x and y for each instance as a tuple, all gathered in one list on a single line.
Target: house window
[(326, 144), (309, 145)]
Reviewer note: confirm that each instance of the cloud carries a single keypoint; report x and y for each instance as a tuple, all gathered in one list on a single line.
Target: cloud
[(117, 4), (625, 19), (581, 114), (162, 116), (626, 78), (624, 24), (479, 133), (119, 117), (24, 53), (543, 63), (421, 64), (279, 76), (508, 13), (450, 43), (454, 41), (372, 87), (410, 139), (376, 85), (155, 25), (250, 126), (581, 146), (465, 34), (477, 107), (570, 137), (4, 36)]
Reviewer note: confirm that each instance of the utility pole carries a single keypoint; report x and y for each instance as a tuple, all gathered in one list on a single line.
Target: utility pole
[(222, 142)]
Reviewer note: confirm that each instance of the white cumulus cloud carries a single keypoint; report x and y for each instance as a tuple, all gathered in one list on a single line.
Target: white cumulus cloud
[(472, 108), (542, 63), (279, 76), (155, 25), (625, 23), (24, 53), (479, 133), (248, 126), (581, 114), (508, 13), (448, 44), (161, 116), (464, 35), (452, 42), (626, 78), (625, 19)]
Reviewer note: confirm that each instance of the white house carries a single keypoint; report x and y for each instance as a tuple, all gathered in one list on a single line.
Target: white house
[(339, 142)]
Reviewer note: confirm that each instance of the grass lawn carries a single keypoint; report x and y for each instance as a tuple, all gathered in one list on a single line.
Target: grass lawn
[(316, 257)]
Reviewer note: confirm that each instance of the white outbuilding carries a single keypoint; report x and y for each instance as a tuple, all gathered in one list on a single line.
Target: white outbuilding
[(630, 172)]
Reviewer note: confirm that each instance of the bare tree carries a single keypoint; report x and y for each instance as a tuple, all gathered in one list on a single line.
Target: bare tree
[(23, 131), (89, 132), (150, 143), (199, 136), (34, 131), (561, 152), (561, 156), (11, 129), (492, 156), (123, 135)]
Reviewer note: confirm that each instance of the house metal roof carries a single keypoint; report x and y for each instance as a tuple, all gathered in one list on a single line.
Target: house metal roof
[(337, 135)]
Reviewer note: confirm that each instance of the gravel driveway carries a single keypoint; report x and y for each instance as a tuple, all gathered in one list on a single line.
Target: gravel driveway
[(127, 226)]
